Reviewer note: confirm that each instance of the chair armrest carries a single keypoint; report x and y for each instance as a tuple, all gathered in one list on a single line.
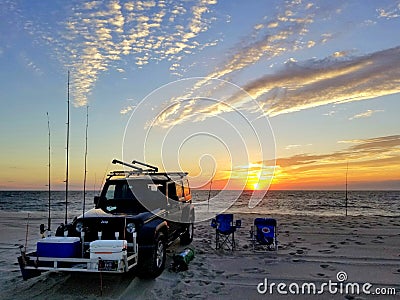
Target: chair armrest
[(214, 223)]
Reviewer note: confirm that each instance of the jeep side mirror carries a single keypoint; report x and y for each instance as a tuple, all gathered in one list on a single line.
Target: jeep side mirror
[(41, 228), (97, 201)]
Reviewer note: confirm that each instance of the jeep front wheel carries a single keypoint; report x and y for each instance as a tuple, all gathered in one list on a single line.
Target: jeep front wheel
[(153, 265)]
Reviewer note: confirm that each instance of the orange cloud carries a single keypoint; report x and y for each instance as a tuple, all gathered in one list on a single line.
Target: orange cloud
[(370, 160), (372, 164)]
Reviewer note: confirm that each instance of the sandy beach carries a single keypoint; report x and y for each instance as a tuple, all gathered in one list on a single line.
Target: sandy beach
[(312, 250)]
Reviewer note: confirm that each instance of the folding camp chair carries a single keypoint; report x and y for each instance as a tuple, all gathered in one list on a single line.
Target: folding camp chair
[(264, 234), (225, 231)]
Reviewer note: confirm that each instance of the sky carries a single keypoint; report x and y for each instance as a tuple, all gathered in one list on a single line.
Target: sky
[(246, 94)]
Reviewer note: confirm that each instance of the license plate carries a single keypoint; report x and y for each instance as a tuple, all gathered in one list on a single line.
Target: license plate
[(108, 265)]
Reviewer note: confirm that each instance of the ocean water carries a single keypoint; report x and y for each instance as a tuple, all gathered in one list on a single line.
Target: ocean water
[(321, 203)]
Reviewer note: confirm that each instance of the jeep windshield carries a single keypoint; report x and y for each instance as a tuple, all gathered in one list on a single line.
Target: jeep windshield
[(132, 196)]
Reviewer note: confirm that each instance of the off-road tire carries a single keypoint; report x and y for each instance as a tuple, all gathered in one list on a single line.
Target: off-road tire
[(153, 264), (187, 237)]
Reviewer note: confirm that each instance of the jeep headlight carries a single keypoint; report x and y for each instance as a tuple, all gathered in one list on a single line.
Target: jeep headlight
[(79, 226), (130, 227)]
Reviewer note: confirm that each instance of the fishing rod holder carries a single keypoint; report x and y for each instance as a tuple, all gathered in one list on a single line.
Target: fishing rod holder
[(146, 165), (132, 165)]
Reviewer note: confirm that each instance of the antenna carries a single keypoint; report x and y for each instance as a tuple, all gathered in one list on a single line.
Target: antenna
[(67, 162), (347, 170), (49, 218), (85, 175), (209, 190), (209, 193), (94, 183), (104, 177)]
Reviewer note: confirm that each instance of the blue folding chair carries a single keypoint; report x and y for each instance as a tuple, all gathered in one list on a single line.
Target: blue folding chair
[(225, 231), (264, 234)]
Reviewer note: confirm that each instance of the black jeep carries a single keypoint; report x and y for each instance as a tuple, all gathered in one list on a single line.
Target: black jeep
[(152, 207)]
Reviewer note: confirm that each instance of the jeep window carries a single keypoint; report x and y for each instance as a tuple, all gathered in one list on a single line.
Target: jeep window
[(119, 190), (150, 192), (186, 188), (119, 198), (179, 190)]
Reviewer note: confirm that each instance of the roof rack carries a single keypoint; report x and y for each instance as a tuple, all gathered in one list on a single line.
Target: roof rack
[(121, 173), (152, 170)]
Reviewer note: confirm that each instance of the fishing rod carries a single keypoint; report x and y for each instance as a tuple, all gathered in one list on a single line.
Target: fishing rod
[(67, 162), (49, 217), (27, 232), (84, 182), (347, 170), (85, 174)]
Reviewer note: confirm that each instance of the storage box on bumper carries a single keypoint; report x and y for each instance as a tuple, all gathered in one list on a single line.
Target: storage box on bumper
[(60, 247), (110, 254)]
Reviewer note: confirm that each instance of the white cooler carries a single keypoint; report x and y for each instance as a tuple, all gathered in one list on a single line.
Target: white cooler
[(108, 249)]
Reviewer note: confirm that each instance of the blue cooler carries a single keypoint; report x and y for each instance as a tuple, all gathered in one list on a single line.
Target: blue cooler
[(58, 246)]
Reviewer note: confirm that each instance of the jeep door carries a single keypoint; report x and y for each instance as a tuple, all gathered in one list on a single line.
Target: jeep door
[(174, 207), (186, 201)]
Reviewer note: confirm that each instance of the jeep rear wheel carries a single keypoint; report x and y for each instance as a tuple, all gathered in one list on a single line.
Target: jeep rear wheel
[(153, 265), (187, 236)]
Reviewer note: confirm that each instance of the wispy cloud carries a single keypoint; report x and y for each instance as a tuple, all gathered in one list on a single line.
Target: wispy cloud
[(330, 113), (127, 109), (365, 114), (296, 146), (304, 85), (383, 142), (99, 35), (390, 12), (339, 78), (31, 64), (292, 146), (270, 38), (318, 82)]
